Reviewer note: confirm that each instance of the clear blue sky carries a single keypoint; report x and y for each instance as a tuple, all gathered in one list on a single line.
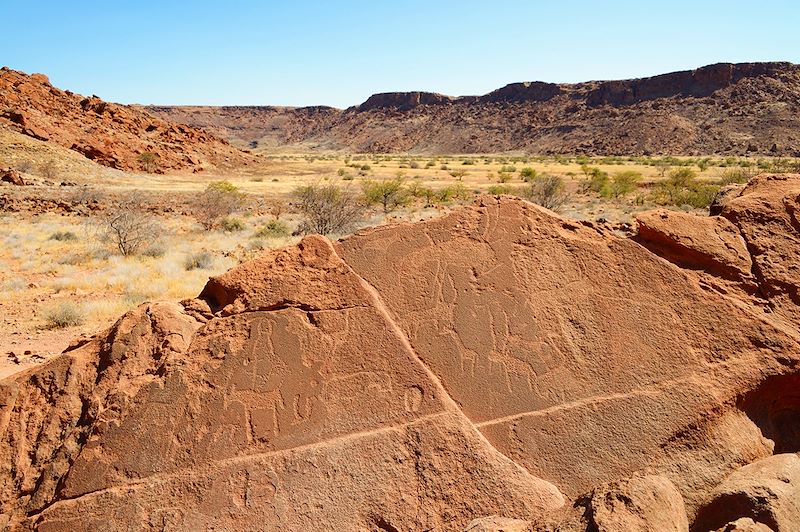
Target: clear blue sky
[(337, 53)]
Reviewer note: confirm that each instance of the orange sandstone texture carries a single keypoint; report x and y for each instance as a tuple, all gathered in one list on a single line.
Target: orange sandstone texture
[(500, 368), (110, 134)]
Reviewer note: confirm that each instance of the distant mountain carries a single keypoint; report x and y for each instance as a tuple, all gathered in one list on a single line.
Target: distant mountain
[(110, 134), (724, 108)]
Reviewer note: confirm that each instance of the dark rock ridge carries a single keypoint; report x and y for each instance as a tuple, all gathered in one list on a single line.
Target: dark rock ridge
[(697, 83), (725, 109), (404, 100)]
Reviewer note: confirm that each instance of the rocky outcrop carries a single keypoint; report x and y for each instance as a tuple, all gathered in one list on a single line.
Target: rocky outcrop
[(767, 492), (732, 109), (499, 361), (532, 91), (698, 83), (712, 244), (404, 101), (12, 177), (767, 214), (638, 504), (118, 136)]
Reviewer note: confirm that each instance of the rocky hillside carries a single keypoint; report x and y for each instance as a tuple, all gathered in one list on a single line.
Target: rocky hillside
[(734, 109), (117, 136), (499, 368)]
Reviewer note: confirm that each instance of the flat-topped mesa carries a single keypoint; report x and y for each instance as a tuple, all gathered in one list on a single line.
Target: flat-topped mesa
[(404, 101), (670, 114), (699, 83), (529, 91)]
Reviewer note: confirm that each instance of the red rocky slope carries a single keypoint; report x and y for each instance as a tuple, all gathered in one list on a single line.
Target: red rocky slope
[(110, 134)]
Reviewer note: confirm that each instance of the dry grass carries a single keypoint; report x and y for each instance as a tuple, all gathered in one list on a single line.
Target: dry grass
[(50, 261)]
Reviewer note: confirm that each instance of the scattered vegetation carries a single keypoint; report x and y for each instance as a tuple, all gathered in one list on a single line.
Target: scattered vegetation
[(273, 229), (549, 191), (128, 228), (231, 224), (219, 200), (65, 314), (527, 174), (63, 236), (389, 193), (683, 188), (736, 175), (622, 183), (202, 260), (149, 161), (328, 208)]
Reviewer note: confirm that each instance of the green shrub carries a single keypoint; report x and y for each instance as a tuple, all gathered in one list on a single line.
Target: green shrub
[(390, 193), (500, 189), (65, 314), (623, 183), (148, 161), (527, 173), (458, 174), (231, 224), (682, 188), (597, 181), (273, 229), (549, 191), (736, 175), (220, 199)]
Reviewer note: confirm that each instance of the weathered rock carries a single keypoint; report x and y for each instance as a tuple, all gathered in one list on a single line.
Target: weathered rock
[(767, 492), (570, 350), (639, 504), (499, 361), (745, 524), (767, 214), (498, 524), (110, 134), (298, 404), (713, 109), (11, 176), (711, 244), (723, 196)]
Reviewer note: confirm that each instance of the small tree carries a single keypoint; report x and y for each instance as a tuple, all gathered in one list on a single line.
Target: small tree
[(148, 160), (597, 181), (527, 174), (276, 207), (623, 183), (549, 191), (218, 200), (458, 174), (328, 209), (128, 227), (390, 193), (682, 177)]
